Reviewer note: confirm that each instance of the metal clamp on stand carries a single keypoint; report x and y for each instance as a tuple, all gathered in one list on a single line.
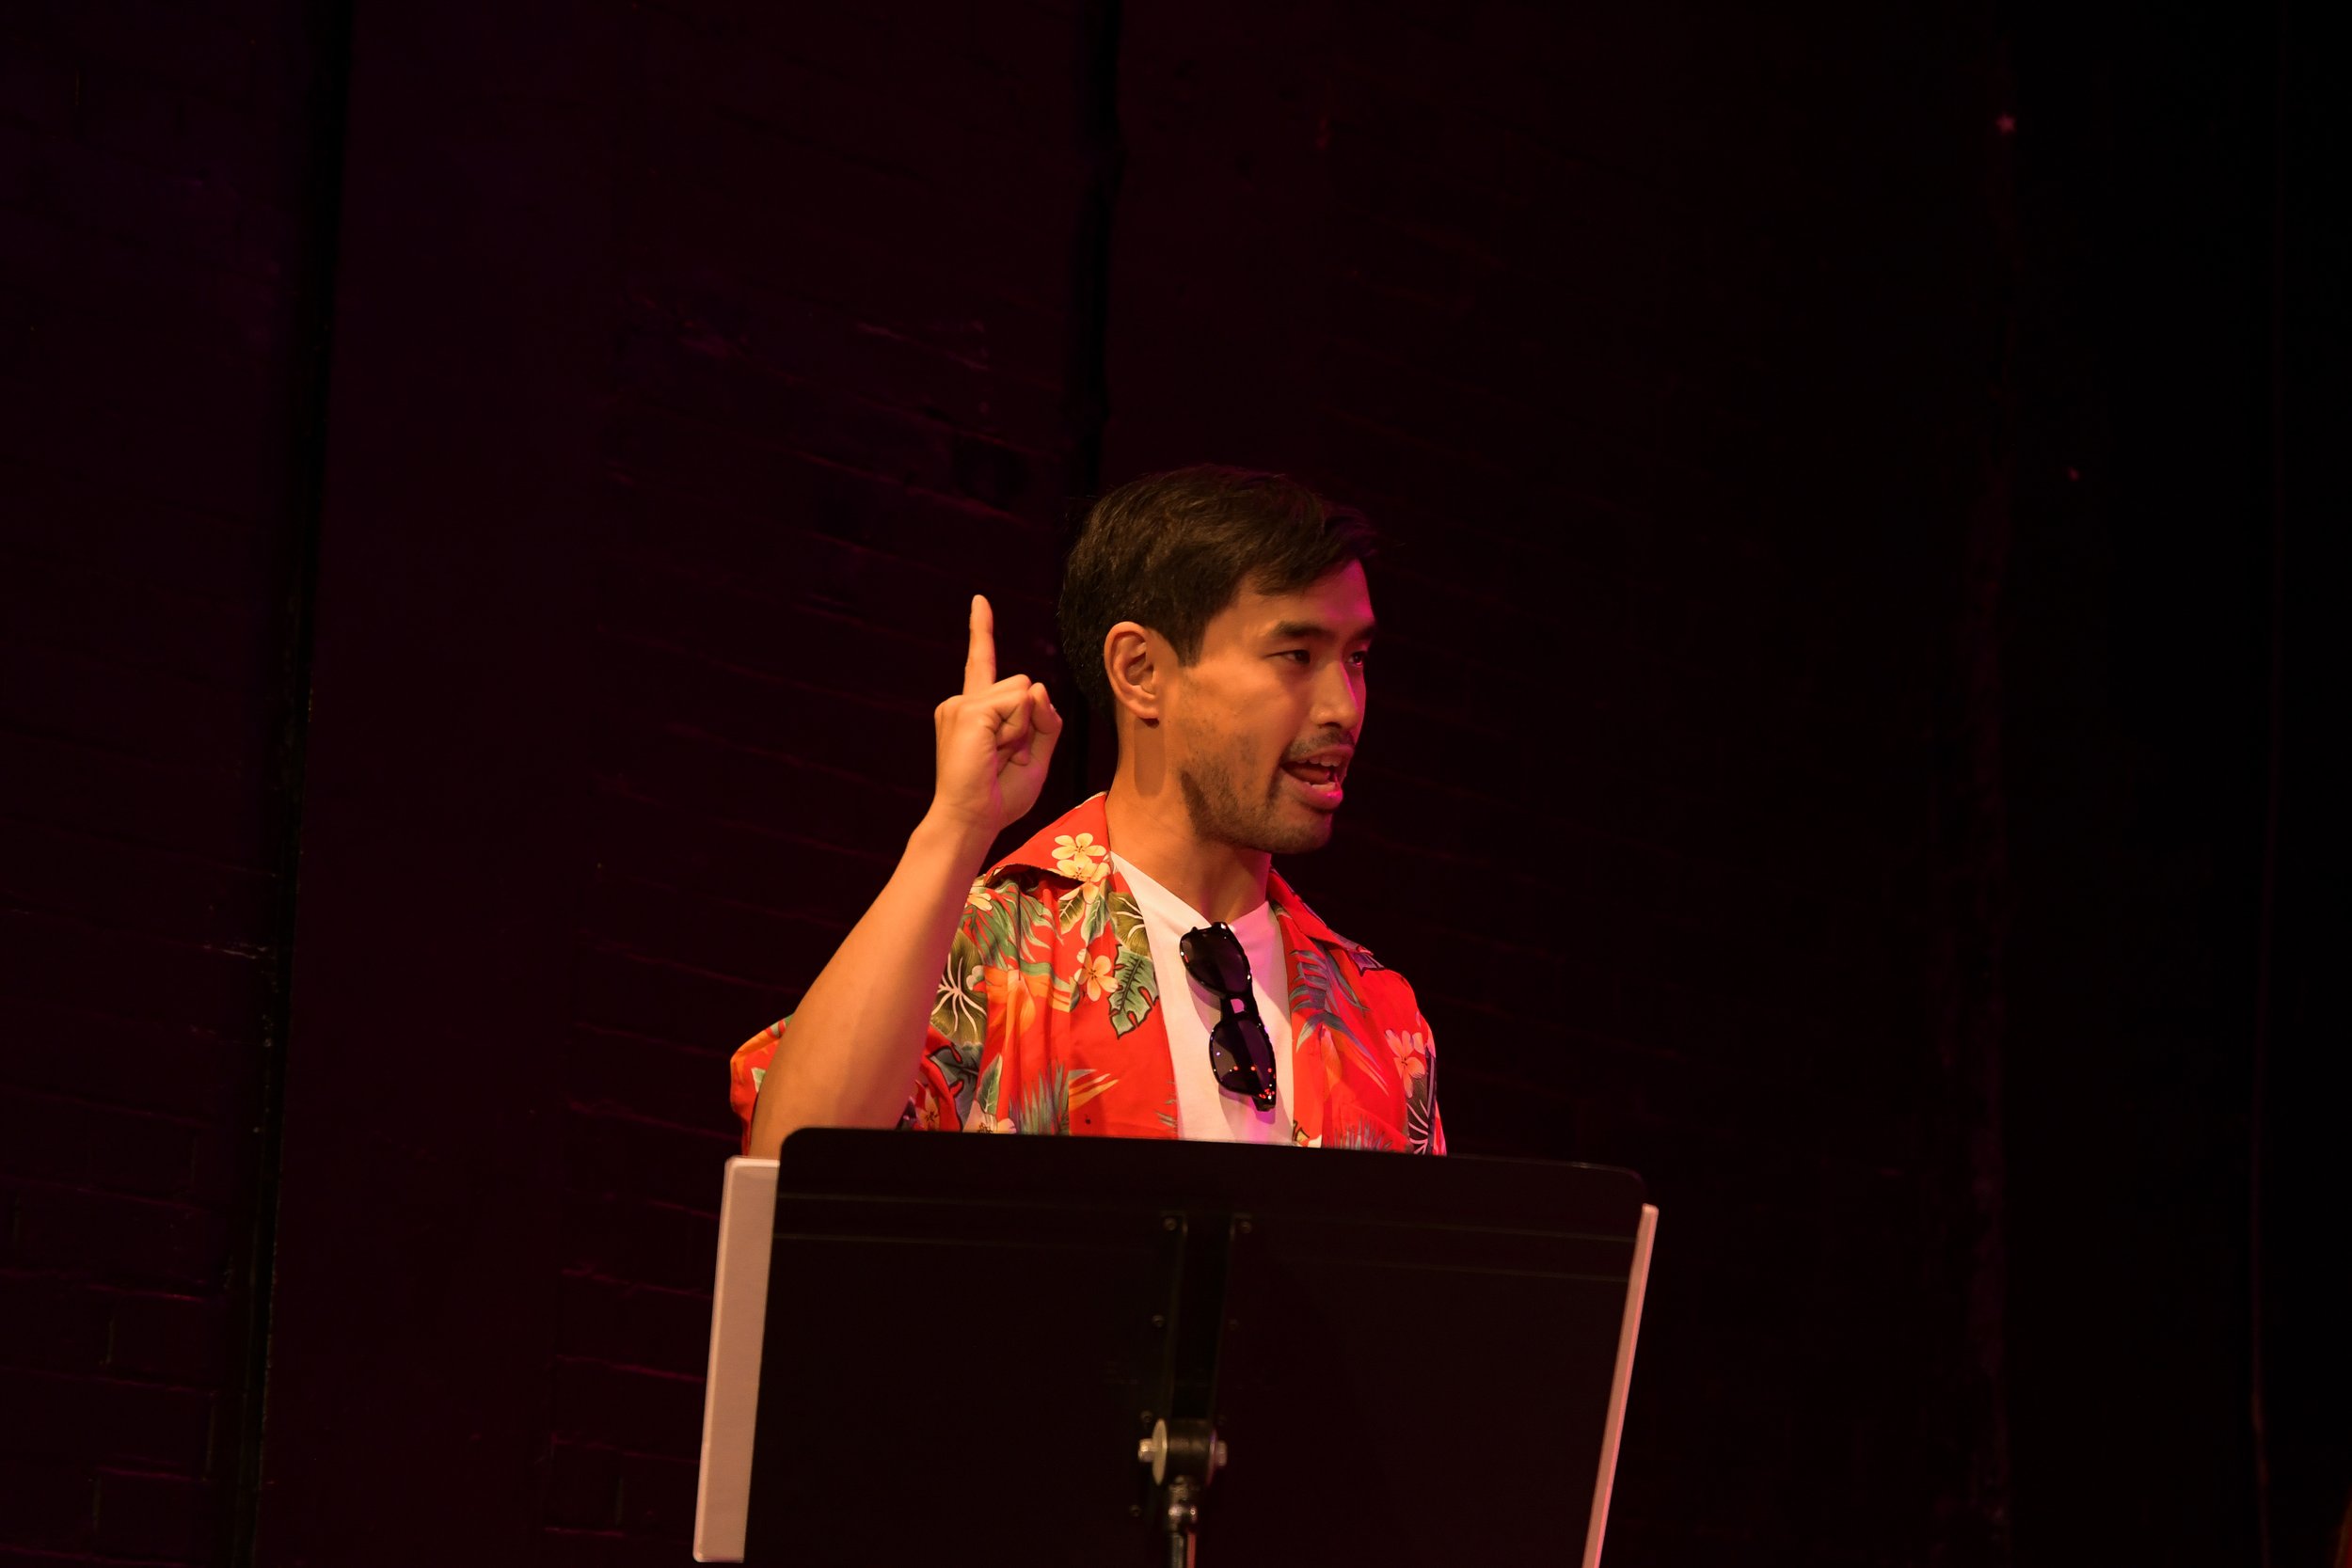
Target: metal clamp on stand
[(1183, 1451), (1183, 1459)]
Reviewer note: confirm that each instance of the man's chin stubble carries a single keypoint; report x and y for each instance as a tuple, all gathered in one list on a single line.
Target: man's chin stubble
[(1215, 807)]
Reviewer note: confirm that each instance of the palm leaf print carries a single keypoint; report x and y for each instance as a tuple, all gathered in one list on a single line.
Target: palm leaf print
[(996, 937), (1045, 1104), (1339, 974), (1310, 1007), (961, 1011), (960, 1065), (1421, 1116), (1135, 987), (1127, 920)]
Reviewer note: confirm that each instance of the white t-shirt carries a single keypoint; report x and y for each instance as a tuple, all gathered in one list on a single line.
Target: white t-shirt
[(1204, 1107)]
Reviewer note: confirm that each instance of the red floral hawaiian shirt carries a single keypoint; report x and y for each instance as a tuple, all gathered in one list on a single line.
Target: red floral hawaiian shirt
[(1047, 1019)]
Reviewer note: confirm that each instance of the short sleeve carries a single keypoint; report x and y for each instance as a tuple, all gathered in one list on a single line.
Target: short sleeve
[(939, 1070), (748, 1068), (947, 1080)]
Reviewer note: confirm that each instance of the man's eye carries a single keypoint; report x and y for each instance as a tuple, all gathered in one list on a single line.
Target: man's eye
[(1360, 658), (1301, 654)]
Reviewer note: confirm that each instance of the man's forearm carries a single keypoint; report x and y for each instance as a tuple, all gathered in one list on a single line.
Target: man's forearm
[(850, 1055)]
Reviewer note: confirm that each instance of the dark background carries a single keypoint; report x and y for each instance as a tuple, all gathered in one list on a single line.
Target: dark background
[(487, 500)]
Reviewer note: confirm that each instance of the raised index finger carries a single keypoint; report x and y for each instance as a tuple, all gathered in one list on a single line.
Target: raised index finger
[(979, 664)]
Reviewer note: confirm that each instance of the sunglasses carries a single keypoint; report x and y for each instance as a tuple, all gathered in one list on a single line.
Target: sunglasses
[(1240, 1051)]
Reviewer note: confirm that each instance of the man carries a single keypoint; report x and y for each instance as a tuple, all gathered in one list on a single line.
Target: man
[(1136, 969)]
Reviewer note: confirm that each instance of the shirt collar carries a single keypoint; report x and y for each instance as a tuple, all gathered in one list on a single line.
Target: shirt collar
[(1059, 849), (1083, 828)]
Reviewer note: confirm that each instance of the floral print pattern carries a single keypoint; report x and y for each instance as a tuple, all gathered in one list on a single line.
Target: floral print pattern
[(1095, 973), (1046, 1019), (1417, 1068), (1082, 858)]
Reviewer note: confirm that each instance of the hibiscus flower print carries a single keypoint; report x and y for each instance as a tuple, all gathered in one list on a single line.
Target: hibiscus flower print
[(1094, 974), (1081, 859), (1412, 1050), (1414, 1064)]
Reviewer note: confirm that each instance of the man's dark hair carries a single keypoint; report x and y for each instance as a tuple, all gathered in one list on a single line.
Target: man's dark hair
[(1171, 550)]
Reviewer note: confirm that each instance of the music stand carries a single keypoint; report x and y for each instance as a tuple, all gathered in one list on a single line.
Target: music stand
[(1043, 1351)]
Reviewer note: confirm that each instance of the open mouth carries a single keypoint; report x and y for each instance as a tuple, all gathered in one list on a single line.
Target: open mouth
[(1319, 780)]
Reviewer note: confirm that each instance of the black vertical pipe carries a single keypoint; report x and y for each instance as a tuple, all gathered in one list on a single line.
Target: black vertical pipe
[(314, 317), (1086, 378), (2274, 777), (1970, 1259)]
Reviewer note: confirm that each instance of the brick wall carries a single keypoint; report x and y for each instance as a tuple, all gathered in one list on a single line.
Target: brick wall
[(1666, 381), (1554, 319), (1552, 329), (158, 176), (692, 365), (838, 412), (2141, 739)]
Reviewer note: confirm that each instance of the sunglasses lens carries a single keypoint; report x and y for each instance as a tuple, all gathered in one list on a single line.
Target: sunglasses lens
[(1234, 1062), (1214, 958)]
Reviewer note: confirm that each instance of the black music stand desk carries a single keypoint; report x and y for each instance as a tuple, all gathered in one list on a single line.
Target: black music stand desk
[(1102, 1351)]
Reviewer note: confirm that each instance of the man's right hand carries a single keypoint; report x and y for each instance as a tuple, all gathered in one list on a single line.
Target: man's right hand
[(994, 739)]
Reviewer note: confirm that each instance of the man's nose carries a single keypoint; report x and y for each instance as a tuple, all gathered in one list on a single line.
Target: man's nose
[(1339, 702)]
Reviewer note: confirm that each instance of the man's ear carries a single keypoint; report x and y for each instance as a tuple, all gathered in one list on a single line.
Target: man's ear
[(1133, 667)]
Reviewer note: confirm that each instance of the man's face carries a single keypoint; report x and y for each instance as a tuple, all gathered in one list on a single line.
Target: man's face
[(1261, 729)]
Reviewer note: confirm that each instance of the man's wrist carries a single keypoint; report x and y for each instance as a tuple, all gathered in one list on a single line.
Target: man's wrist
[(950, 833)]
